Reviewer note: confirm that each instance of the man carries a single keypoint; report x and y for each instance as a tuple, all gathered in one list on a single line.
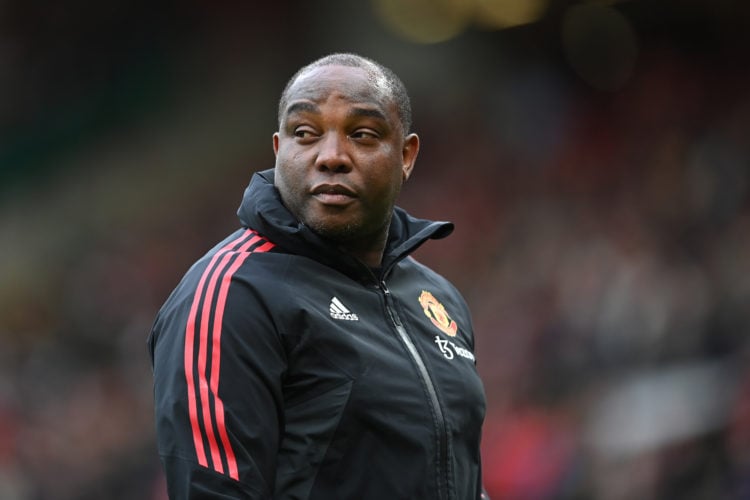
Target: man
[(307, 356)]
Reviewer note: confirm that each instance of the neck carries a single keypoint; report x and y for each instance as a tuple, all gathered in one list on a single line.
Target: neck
[(367, 251)]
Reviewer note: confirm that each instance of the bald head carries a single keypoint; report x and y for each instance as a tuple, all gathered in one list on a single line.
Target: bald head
[(383, 81)]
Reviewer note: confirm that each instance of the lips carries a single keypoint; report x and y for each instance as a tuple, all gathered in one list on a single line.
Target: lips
[(333, 194), (332, 189)]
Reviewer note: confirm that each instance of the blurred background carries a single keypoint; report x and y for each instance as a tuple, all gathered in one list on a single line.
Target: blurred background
[(594, 156)]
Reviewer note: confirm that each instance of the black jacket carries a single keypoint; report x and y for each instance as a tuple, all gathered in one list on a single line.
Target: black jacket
[(286, 369)]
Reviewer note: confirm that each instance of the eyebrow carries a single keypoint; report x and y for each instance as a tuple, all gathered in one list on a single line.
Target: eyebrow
[(302, 107), (309, 107), (372, 113)]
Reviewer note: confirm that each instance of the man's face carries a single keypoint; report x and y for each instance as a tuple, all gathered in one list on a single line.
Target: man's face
[(341, 154)]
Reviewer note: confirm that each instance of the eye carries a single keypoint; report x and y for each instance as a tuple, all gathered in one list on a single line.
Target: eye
[(304, 133), (365, 134)]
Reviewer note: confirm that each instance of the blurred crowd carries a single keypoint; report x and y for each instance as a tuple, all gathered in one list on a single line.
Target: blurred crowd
[(602, 242), (606, 262)]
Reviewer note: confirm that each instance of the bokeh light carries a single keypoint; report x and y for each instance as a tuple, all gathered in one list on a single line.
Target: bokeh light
[(425, 21), (600, 45), (429, 22), (508, 13)]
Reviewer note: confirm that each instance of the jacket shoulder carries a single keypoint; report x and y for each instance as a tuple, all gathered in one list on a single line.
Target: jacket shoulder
[(431, 276), (231, 260)]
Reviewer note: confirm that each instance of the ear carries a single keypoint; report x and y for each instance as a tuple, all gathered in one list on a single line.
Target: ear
[(276, 143), (409, 155)]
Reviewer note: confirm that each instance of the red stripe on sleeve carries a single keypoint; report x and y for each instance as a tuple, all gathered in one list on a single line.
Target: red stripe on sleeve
[(216, 356), (210, 335), (203, 348), (189, 350)]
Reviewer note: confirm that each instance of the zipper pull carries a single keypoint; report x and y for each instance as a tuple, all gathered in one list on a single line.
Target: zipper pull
[(389, 305)]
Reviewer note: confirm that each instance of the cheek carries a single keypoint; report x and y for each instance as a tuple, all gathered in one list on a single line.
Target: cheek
[(286, 177), (288, 162), (293, 163), (288, 183), (384, 191)]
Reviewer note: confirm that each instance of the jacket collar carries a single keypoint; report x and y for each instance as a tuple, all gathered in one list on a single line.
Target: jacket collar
[(262, 210)]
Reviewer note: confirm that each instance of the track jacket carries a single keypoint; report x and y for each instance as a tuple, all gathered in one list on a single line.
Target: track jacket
[(286, 369)]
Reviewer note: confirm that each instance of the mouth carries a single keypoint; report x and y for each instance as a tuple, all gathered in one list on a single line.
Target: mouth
[(333, 194)]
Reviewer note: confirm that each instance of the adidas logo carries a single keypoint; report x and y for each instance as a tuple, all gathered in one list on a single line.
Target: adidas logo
[(339, 311)]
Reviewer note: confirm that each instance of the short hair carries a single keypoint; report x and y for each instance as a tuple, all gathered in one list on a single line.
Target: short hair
[(394, 85)]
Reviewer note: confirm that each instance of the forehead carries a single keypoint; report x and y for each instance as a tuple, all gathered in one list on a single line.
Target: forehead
[(352, 84)]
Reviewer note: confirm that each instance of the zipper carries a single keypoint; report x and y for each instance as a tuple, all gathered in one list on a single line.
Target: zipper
[(442, 463)]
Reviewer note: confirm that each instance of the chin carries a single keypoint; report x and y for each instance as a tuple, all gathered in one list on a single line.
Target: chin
[(339, 232)]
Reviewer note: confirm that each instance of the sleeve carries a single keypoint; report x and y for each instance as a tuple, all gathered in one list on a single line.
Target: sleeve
[(218, 368)]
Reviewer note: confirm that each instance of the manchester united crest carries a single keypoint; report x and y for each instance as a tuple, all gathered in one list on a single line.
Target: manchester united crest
[(437, 314)]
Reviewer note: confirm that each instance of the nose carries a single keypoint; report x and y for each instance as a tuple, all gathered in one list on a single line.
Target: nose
[(332, 154)]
